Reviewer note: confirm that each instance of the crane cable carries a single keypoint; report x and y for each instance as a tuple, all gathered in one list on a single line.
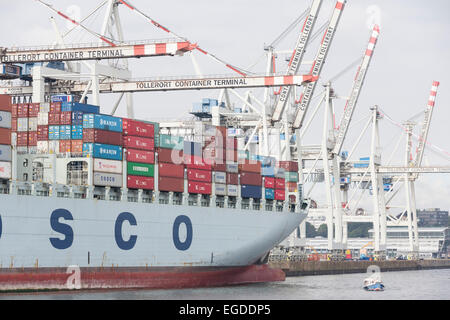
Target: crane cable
[(101, 37), (155, 23)]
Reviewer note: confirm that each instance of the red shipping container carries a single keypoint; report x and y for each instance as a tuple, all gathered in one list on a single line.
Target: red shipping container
[(269, 182), (13, 124), (199, 175), (42, 133), (232, 178), (195, 162), (292, 198), (171, 170), (141, 156), (231, 144), (137, 128), (22, 139), (102, 136), (22, 110), (5, 136), (170, 156), (291, 186), (32, 138), (64, 146), (54, 119), (291, 166), (76, 146), (55, 107), (251, 178), (33, 110), (171, 184), (14, 108), (139, 143), (5, 102), (66, 118), (249, 165), (222, 167), (199, 187), (279, 183), (137, 182), (280, 195)]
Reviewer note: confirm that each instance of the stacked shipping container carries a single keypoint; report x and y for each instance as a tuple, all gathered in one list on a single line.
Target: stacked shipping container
[(170, 163), (5, 137), (138, 139)]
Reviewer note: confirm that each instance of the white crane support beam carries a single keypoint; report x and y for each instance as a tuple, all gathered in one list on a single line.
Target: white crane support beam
[(175, 84), (319, 61), (356, 90), (399, 170), (95, 52), (297, 57)]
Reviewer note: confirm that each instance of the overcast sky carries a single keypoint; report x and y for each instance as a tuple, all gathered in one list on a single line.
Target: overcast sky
[(412, 51)]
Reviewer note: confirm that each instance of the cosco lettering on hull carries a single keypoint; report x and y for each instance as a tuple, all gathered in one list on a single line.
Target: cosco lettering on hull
[(60, 217)]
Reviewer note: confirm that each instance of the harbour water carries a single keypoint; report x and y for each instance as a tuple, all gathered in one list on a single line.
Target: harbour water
[(400, 285)]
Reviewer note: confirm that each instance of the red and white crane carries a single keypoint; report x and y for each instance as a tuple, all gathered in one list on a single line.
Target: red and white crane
[(95, 52), (319, 61), (356, 90), (297, 57)]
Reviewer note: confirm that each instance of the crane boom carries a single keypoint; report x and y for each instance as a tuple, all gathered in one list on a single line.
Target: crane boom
[(426, 123), (95, 52), (319, 61), (297, 57), (356, 90), (174, 84)]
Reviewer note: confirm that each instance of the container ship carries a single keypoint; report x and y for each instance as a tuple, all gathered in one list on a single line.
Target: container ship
[(98, 201)]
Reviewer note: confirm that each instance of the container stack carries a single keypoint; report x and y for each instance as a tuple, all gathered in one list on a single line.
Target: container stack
[(199, 169), (102, 140), (139, 141), (250, 180), (290, 176), (170, 163), (5, 137)]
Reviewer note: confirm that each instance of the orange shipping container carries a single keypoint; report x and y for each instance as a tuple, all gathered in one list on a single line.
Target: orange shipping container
[(5, 103), (5, 136), (77, 146), (250, 166)]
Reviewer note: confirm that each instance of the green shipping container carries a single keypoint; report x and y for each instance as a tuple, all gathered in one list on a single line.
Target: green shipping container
[(291, 176), (140, 169), (156, 128), (171, 142)]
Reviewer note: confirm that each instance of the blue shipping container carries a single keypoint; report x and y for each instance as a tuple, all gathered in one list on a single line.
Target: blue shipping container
[(248, 191), (63, 98), (53, 132), (65, 132), (268, 171), (102, 122), (192, 148), (76, 106), (360, 165), (77, 132), (270, 194), (102, 151)]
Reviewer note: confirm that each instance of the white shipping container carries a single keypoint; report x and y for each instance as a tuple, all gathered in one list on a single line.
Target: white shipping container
[(42, 119), (5, 119), (53, 146), (220, 177), (32, 124), (22, 124), (42, 147), (232, 190), (220, 189), (5, 170), (107, 179), (110, 166), (5, 152), (14, 138), (44, 107), (232, 167)]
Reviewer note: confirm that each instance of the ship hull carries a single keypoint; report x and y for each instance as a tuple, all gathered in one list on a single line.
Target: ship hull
[(166, 246)]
